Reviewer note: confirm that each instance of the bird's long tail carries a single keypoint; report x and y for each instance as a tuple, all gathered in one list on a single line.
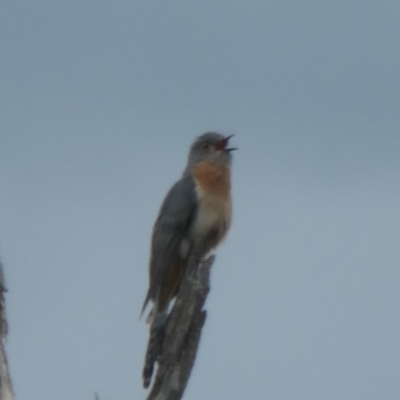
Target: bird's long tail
[(154, 346)]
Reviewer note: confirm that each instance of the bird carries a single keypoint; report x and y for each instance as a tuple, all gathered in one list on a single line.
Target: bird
[(195, 216)]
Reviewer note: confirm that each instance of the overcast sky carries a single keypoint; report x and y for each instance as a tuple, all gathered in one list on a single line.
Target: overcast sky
[(99, 102)]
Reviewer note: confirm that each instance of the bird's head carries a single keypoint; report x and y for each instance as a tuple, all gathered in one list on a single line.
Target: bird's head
[(212, 148)]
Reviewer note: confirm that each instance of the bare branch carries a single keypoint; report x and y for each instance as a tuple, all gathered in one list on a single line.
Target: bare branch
[(6, 391), (183, 331)]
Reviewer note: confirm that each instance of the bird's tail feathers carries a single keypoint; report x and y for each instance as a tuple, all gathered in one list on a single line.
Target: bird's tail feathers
[(146, 301), (154, 346)]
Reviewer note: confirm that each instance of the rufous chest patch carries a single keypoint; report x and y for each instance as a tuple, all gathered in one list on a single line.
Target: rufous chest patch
[(215, 208), (213, 179)]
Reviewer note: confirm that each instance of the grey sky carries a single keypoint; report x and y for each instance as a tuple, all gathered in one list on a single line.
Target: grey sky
[(99, 102)]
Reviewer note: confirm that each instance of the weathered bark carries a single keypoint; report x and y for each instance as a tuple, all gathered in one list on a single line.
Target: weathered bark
[(183, 331), (6, 391)]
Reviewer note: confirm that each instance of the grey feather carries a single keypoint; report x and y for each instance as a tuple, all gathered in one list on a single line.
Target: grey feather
[(170, 229)]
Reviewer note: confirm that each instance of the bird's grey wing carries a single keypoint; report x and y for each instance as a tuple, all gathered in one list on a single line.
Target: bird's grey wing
[(174, 219)]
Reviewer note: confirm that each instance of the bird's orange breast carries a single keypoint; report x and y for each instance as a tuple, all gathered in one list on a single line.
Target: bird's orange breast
[(213, 189), (213, 179)]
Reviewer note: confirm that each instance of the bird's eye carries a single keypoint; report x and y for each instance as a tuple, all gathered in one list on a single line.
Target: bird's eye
[(206, 146)]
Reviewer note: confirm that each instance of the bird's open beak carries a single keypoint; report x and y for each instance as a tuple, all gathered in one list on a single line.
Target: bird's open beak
[(221, 145)]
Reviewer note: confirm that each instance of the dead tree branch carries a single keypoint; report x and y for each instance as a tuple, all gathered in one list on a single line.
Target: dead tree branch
[(6, 391), (183, 331)]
